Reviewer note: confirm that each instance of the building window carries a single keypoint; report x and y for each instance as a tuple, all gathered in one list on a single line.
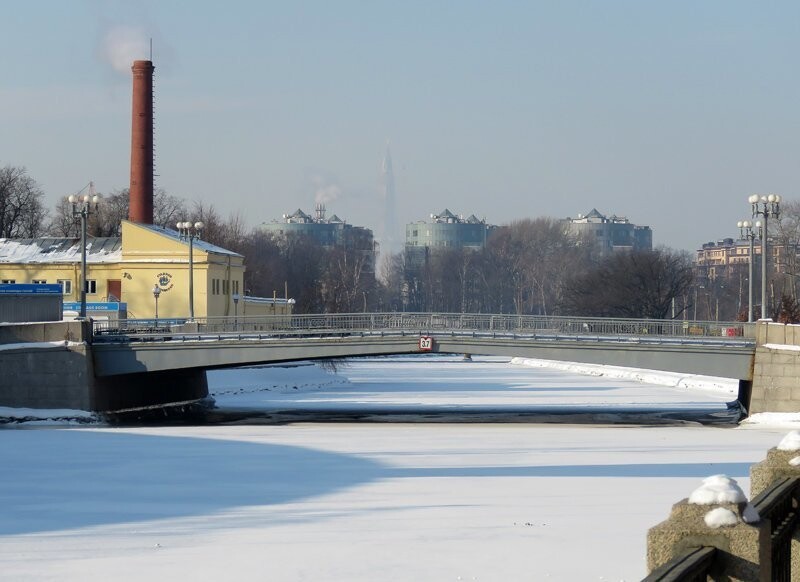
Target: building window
[(91, 286), (225, 286), (8, 281), (215, 287), (66, 286), (39, 281)]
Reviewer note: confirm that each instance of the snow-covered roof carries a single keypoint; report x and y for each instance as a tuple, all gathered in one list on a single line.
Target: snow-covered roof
[(98, 249), (60, 250), (198, 243)]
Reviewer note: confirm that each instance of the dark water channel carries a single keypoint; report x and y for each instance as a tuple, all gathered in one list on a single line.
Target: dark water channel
[(207, 413)]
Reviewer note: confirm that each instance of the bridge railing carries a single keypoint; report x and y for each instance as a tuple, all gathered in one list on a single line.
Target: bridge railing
[(431, 323)]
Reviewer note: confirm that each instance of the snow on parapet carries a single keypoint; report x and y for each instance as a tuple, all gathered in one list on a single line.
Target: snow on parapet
[(785, 347), (723, 489), (791, 442), (720, 517), (718, 489)]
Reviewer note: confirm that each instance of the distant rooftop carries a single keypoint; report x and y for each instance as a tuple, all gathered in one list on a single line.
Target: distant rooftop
[(445, 216)]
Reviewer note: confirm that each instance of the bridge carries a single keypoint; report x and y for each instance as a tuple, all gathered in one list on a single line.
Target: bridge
[(708, 348), (113, 365)]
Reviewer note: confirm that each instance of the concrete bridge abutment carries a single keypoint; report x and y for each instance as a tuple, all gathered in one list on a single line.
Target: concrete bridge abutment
[(776, 368), (50, 365)]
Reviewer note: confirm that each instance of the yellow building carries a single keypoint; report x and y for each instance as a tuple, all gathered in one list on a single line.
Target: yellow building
[(127, 268)]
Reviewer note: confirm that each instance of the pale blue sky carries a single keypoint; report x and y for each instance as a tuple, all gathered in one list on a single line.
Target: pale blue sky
[(670, 113)]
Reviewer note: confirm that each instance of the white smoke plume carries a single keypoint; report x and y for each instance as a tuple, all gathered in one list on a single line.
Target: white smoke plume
[(124, 44), (327, 194), (325, 191)]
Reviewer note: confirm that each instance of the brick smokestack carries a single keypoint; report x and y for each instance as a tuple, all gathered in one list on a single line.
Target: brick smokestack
[(141, 189)]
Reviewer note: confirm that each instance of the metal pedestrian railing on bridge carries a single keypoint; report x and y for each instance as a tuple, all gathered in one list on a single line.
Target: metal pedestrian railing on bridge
[(532, 326)]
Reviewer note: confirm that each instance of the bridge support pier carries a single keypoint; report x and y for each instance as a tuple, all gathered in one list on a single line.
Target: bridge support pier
[(776, 368)]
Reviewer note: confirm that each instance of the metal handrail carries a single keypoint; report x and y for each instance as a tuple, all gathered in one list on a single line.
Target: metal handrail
[(692, 565), (779, 504), (437, 322), (459, 324)]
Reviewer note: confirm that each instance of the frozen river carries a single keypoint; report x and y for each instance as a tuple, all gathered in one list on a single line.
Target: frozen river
[(453, 389), (374, 501)]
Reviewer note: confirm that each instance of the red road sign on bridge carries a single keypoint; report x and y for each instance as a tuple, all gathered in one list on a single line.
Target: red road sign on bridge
[(425, 343)]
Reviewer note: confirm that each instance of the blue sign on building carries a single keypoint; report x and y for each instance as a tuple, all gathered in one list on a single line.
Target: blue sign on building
[(30, 289), (104, 306)]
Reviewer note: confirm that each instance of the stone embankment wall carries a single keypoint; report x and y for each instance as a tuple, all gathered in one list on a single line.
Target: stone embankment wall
[(46, 365), (776, 369)]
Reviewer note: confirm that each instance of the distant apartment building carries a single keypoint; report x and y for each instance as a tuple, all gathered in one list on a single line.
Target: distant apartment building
[(721, 258), (611, 234), (330, 232), (445, 231)]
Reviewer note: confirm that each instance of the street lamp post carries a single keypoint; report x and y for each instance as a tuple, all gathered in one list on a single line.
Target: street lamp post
[(765, 206), (188, 231), (83, 206), (236, 311), (156, 293), (750, 231)]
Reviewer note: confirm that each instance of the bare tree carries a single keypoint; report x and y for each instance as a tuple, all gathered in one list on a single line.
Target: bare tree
[(345, 282), (107, 220), (531, 261), (22, 212), (640, 284), (167, 209), (786, 234), (391, 287), (62, 223)]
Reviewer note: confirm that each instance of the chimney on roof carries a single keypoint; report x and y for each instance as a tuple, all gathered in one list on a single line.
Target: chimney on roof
[(141, 188)]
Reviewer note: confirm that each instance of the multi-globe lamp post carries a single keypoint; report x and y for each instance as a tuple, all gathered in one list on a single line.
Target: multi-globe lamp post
[(82, 207), (188, 232), (766, 206), (750, 231)]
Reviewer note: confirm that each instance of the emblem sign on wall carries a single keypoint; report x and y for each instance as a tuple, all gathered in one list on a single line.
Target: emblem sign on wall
[(165, 281)]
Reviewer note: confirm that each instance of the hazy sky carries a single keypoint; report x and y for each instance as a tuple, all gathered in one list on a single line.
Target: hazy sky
[(670, 113)]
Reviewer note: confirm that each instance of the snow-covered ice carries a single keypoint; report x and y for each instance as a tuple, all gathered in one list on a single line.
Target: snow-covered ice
[(344, 501)]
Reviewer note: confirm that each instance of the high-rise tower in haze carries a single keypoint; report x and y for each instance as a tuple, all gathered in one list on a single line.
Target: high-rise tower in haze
[(390, 241)]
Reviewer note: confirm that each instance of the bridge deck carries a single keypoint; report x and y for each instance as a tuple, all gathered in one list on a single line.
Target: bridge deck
[(710, 348)]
